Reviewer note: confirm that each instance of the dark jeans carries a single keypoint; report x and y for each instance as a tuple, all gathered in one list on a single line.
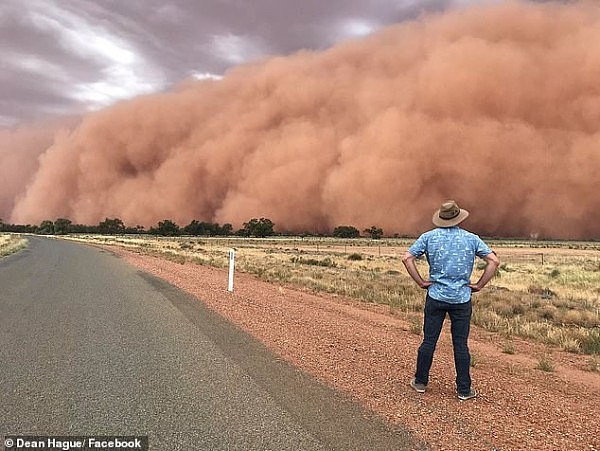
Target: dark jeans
[(460, 318)]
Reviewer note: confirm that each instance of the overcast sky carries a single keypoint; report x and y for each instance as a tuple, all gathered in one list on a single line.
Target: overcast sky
[(62, 57)]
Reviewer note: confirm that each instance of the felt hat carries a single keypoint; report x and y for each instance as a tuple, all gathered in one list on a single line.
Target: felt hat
[(449, 215)]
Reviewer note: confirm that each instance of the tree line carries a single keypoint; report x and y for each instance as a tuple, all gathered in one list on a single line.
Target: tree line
[(255, 227)]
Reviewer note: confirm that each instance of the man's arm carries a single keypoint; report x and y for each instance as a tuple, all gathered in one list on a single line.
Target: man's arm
[(492, 264), (409, 262)]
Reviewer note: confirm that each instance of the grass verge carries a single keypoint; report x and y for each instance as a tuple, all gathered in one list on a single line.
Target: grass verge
[(9, 244)]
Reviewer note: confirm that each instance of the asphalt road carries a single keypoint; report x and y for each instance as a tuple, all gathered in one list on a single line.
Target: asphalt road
[(90, 345)]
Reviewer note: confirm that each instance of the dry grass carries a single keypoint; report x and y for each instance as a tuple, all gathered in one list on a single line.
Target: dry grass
[(557, 302), (509, 348), (10, 244), (545, 364)]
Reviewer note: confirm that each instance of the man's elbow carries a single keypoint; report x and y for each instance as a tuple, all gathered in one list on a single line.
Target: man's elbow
[(493, 260), (407, 257)]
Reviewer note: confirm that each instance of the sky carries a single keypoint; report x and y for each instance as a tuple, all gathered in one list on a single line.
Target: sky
[(67, 57), (370, 125)]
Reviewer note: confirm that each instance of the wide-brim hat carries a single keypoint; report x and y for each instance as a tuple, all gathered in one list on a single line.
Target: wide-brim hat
[(449, 215)]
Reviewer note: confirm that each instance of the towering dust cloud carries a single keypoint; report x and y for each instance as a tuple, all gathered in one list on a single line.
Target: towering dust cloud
[(19, 152), (497, 107)]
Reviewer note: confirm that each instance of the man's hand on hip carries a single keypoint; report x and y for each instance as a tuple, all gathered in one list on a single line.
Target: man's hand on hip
[(474, 288), (409, 262)]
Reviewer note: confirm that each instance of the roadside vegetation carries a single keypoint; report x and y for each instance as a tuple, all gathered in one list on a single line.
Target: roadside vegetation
[(548, 291), (550, 294), (10, 244)]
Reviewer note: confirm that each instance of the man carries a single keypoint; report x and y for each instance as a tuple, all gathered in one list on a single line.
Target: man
[(451, 253)]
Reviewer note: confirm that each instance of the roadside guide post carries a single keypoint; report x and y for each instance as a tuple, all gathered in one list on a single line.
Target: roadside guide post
[(231, 269)]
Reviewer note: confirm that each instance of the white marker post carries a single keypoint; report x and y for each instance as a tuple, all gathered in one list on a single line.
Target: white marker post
[(231, 268)]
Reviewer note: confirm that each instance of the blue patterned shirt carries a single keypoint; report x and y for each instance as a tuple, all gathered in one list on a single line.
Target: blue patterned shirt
[(450, 252)]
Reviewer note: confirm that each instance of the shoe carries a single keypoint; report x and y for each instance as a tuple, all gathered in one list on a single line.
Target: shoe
[(464, 396), (418, 386)]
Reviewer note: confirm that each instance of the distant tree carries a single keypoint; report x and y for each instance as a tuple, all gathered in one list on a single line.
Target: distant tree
[(226, 229), (258, 227), (193, 228), (165, 228), (138, 229), (19, 228), (112, 226), (201, 228), (346, 232), (62, 226), (46, 227), (374, 232), (82, 228)]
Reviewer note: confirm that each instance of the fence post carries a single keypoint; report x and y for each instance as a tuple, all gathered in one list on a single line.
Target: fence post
[(231, 269)]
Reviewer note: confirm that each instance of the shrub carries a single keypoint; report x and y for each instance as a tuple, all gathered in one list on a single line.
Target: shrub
[(591, 343), (518, 308), (548, 312), (570, 345), (355, 256), (415, 326), (590, 319), (508, 348), (326, 262), (572, 317), (545, 364), (544, 292)]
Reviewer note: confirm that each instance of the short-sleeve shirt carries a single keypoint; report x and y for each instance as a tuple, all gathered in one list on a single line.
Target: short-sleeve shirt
[(450, 252)]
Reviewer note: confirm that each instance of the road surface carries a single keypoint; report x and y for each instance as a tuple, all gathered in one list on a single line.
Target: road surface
[(89, 346)]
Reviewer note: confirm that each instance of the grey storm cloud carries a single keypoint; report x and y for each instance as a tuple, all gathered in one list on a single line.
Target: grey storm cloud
[(66, 57)]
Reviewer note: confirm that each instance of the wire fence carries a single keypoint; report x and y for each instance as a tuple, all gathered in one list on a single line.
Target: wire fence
[(508, 252)]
